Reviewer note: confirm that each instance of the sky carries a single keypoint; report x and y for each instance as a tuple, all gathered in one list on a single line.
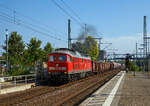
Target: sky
[(119, 22)]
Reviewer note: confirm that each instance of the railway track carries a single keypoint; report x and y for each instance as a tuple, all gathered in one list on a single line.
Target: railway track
[(53, 95), (17, 97), (81, 95), (14, 98)]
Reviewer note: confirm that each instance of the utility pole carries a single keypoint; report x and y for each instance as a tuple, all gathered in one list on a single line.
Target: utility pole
[(14, 17), (136, 52), (69, 35), (85, 30), (145, 37), (114, 55), (145, 44), (7, 67), (100, 43)]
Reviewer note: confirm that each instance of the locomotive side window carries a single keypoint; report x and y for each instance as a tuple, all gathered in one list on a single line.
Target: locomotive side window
[(52, 58), (62, 58), (69, 59)]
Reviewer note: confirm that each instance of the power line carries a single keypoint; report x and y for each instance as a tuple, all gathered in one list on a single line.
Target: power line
[(44, 25), (75, 14), (22, 23), (18, 22), (18, 14), (66, 12), (9, 19)]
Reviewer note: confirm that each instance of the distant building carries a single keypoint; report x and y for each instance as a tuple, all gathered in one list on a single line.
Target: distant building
[(102, 55)]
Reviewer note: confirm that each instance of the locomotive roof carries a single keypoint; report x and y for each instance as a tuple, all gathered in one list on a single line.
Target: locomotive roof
[(70, 52)]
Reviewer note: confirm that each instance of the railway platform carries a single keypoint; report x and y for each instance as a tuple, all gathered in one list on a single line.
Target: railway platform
[(125, 89), (16, 83)]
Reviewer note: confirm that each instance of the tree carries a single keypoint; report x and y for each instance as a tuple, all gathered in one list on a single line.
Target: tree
[(91, 47), (88, 47), (47, 49), (86, 44), (80, 47), (33, 52), (133, 66), (15, 48)]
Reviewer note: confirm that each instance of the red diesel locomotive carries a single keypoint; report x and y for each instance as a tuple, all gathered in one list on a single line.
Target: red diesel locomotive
[(67, 64)]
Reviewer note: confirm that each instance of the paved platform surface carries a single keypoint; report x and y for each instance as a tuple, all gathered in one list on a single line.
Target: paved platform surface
[(16, 88), (124, 89), (135, 90), (5, 85)]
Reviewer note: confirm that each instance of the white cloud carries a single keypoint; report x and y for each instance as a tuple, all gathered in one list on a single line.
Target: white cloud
[(125, 44)]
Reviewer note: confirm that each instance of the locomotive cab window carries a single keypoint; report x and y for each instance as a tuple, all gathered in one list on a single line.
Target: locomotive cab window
[(52, 58), (69, 59), (62, 58)]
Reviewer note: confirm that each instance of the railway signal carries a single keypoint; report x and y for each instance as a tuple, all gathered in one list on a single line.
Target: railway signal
[(127, 62)]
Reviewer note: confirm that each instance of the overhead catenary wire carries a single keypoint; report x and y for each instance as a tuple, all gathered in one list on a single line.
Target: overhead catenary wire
[(75, 14), (67, 13), (19, 22), (42, 26), (45, 28)]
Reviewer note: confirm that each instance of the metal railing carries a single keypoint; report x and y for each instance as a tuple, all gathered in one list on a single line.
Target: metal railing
[(17, 80)]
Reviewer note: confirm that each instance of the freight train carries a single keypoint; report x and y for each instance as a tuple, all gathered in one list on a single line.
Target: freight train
[(67, 65)]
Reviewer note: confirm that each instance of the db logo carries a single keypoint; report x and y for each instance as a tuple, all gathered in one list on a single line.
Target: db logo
[(56, 65)]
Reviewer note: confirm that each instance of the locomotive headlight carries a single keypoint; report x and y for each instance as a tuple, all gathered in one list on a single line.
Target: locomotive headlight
[(65, 72)]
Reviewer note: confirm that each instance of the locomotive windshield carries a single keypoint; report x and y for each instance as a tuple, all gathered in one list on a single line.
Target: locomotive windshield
[(52, 58), (57, 58), (62, 58)]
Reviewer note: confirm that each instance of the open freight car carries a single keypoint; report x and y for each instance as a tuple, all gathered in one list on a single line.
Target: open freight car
[(104, 67)]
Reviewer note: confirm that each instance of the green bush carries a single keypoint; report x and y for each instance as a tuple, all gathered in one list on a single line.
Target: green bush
[(133, 66), (18, 70)]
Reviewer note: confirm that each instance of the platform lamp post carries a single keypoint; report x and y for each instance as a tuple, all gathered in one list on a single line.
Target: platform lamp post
[(137, 53), (141, 54), (136, 47), (7, 67)]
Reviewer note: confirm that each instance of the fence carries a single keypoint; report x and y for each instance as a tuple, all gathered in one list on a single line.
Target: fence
[(16, 80)]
